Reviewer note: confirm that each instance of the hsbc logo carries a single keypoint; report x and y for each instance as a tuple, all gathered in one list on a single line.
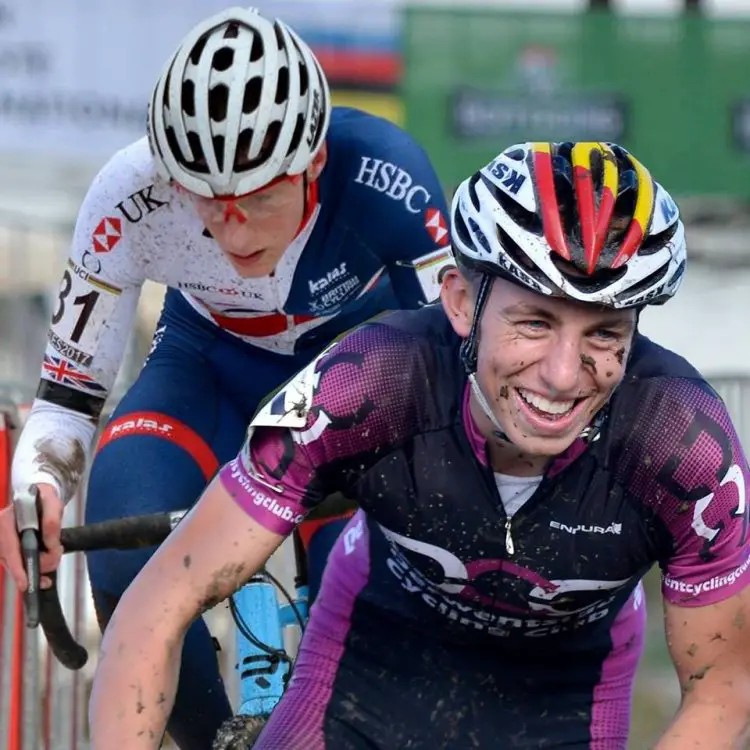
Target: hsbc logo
[(436, 226), (396, 183), (107, 234)]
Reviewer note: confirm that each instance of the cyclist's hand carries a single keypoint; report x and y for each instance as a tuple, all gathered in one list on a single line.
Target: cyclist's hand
[(50, 525), (10, 543)]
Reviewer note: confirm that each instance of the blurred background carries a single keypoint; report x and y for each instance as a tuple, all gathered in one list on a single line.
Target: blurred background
[(669, 79)]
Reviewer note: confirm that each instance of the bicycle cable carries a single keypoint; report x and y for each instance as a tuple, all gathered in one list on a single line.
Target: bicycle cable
[(275, 655)]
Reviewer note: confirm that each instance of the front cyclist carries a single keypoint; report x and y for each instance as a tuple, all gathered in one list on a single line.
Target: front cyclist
[(522, 456), (277, 223)]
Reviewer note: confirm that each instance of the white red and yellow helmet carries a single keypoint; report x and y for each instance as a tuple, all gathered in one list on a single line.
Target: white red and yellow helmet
[(581, 220)]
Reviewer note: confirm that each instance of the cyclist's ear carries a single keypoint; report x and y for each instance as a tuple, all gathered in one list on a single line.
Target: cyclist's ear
[(317, 164), (457, 296)]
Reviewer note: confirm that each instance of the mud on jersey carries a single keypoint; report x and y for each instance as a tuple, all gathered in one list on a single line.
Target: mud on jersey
[(383, 417), (377, 235), (376, 240)]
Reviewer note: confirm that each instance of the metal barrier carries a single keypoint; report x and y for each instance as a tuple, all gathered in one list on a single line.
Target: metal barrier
[(18, 652), (42, 705)]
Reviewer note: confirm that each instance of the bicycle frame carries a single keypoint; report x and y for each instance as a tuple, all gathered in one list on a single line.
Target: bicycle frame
[(262, 674)]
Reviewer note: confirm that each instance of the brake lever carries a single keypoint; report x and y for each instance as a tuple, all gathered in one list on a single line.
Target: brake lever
[(27, 507)]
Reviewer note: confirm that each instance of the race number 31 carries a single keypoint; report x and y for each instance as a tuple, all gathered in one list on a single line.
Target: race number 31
[(83, 305)]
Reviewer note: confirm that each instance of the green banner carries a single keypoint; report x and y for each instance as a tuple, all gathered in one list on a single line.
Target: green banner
[(674, 91)]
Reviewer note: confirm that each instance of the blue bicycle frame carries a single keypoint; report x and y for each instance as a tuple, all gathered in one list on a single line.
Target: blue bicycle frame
[(263, 675)]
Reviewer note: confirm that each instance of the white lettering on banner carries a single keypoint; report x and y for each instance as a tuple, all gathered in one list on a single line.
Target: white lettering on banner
[(711, 584), (53, 100), (613, 528), (396, 183), (261, 500)]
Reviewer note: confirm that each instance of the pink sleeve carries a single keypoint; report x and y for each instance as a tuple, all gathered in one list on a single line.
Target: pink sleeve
[(247, 478), (699, 491), (360, 404)]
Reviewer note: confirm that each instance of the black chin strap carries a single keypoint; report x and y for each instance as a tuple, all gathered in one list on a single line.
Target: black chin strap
[(470, 345), (469, 350)]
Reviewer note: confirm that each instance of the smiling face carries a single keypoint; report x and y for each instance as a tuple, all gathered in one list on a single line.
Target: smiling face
[(545, 365)]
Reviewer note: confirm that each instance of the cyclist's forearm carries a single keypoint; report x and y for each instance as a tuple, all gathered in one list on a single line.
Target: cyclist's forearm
[(53, 448), (135, 683), (716, 723)]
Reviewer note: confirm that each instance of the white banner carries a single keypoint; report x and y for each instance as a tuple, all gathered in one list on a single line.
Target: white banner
[(76, 75)]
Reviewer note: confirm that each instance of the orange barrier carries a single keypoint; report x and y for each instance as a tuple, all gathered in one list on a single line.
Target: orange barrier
[(12, 639), (28, 670)]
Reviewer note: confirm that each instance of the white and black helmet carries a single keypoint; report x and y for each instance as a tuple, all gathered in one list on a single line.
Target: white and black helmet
[(242, 101), (580, 220)]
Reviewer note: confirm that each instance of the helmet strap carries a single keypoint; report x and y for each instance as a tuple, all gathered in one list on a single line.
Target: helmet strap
[(469, 355), (470, 344)]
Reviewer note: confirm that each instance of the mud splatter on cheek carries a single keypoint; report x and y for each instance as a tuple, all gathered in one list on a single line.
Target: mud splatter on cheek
[(504, 392), (620, 354), (589, 362)]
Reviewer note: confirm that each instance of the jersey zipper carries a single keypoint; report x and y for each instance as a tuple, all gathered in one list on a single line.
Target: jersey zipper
[(509, 546)]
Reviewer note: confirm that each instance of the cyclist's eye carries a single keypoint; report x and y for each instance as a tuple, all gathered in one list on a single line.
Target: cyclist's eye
[(536, 326)]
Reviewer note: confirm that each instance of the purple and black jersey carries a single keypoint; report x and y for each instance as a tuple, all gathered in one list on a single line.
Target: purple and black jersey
[(423, 568)]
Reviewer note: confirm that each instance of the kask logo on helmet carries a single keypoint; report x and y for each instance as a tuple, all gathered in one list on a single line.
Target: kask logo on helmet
[(668, 209), (509, 177), (314, 119)]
